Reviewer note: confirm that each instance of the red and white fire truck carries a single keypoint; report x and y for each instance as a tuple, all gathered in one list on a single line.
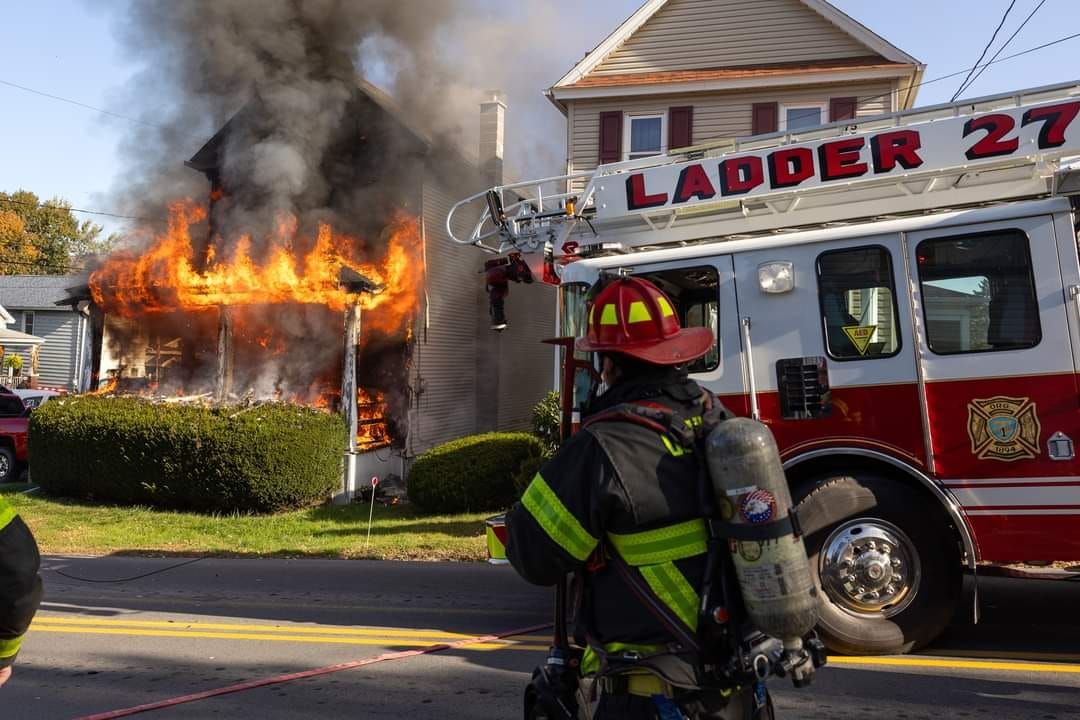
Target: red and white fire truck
[(897, 298)]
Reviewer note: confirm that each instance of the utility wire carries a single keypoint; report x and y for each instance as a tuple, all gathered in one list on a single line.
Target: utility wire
[(47, 206), (103, 111), (994, 56), (985, 50), (909, 88)]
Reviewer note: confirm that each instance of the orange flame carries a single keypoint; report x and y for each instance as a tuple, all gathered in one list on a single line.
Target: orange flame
[(165, 278), (372, 431)]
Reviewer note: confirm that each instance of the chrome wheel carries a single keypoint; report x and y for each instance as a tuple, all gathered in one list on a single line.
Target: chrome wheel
[(870, 567), (5, 467)]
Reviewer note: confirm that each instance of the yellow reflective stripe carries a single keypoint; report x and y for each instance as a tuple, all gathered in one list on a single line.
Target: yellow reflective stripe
[(666, 544), (590, 660), (7, 514), (665, 307), (673, 448), (558, 522), (638, 313), (9, 648), (674, 590), (592, 313), (609, 315)]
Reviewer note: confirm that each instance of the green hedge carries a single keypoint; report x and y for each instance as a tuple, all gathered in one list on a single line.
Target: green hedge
[(132, 451), (471, 474)]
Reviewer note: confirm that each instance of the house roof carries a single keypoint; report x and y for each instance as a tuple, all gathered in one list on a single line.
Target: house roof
[(760, 71), (36, 292), (14, 337), (886, 57)]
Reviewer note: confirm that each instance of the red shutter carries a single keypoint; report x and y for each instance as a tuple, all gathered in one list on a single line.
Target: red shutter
[(610, 137), (680, 127), (764, 118), (842, 108)]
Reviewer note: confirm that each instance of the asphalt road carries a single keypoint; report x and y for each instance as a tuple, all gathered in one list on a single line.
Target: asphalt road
[(98, 647)]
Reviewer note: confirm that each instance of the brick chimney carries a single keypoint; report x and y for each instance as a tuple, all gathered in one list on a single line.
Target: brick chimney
[(492, 122)]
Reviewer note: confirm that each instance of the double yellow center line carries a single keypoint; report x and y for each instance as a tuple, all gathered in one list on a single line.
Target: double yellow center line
[(336, 635)]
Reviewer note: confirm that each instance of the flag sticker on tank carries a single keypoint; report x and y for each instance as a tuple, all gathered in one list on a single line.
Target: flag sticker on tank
[(860, 336), (1003, 428), (758, 507)]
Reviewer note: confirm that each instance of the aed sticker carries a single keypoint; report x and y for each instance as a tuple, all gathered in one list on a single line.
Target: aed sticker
[(860, 336), (750, 550), (1004, 428), (758, 507)]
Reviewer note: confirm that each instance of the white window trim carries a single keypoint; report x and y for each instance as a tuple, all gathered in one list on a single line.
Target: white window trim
[(783, 108), (628, 117)]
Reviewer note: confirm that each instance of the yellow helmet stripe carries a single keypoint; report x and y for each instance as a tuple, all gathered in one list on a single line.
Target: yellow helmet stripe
[(638, 312), (609, 315), (665, 307)]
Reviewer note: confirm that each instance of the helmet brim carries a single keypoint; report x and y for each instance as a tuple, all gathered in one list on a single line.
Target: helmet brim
[(686, 346)]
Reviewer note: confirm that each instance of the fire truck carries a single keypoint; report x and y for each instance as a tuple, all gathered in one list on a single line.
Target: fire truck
[(897, 298)]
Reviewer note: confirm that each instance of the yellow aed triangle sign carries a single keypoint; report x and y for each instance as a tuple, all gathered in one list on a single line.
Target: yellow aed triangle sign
[(860, 335)]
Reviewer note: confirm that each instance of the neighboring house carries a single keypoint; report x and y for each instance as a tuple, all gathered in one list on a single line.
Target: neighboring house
[(38, 310), (463, 378), (681, 73)]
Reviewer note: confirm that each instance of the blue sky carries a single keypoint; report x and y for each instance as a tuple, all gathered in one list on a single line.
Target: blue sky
[(68, 48)]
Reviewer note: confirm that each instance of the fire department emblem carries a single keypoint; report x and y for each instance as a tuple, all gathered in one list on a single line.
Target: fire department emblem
[(1003, 428)]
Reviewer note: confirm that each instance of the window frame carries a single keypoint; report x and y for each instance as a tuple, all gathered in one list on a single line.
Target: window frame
[(682, 310), (628, 121), (31, 316), (892, 290), (782, 110), (1032, 286)]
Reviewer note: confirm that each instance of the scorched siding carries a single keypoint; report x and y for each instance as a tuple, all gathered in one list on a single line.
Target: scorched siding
[(693, 34), (444, 357), (717, 115)]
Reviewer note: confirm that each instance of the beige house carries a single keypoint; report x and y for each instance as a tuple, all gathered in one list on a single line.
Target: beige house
[(679, 73)]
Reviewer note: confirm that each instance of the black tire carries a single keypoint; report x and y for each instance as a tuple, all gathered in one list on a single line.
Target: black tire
[(936, 596), (9, 469)]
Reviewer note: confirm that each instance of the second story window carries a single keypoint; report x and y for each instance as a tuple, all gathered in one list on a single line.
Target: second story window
[(28, 322), (802, 116), (644, 135)]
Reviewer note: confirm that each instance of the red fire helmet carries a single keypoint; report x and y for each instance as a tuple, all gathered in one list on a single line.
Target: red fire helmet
[(634, 317)]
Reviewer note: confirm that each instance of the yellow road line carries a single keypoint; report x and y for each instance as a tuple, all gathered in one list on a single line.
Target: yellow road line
[(39, 627), (1011, 655), (923, 662), (321, 630)]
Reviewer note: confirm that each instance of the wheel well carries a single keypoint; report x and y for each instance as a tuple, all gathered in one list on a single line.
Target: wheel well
[(7, 442), (850, 463)]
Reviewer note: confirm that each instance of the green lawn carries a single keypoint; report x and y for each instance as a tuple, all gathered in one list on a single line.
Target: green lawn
[(398, 533)]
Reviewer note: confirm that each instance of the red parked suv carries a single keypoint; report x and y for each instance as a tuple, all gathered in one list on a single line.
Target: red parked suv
[(14, 422)]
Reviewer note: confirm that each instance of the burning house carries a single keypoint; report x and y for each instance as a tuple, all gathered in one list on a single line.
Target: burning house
[(349, 297)]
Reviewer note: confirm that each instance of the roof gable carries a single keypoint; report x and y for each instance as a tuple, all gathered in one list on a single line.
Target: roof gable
[(680, 35)]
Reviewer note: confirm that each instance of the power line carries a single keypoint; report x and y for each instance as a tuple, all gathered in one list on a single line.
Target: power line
[(985, 50), (103, 111), (994, 56), (47, 206)]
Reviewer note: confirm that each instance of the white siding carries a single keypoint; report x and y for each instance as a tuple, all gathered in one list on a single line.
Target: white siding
[(525, 362), (717, 115), (56, 359), (695, 34), (444, 358)]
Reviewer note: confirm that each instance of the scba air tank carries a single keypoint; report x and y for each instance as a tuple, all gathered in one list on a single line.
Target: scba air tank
[(751, 492)]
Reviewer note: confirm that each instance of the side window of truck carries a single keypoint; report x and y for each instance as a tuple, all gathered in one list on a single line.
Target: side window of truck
[(978, 293), (694, 291), (858, 303)]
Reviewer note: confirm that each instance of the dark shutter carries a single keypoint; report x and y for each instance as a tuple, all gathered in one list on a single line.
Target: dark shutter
[(765, 118), (842, 108), (610, 137), (680, 127)]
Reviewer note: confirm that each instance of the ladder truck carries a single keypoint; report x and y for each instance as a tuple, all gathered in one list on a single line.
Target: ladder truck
[(897, 298)]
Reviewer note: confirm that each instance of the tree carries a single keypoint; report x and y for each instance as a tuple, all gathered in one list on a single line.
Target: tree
[(44, 238)]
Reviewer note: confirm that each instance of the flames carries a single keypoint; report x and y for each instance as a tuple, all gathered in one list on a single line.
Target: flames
[(371, 409), (170, 276)]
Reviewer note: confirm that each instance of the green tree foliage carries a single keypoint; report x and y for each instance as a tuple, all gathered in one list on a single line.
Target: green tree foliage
[(45, 238), (136, 452)]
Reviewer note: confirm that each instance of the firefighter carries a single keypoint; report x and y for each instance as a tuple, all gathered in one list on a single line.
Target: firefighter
[(620, 488), (20, 585)]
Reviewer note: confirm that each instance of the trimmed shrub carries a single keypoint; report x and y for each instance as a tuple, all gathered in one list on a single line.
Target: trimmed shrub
[(472, 473), (547, 419), (527, 472), (132, 451)]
